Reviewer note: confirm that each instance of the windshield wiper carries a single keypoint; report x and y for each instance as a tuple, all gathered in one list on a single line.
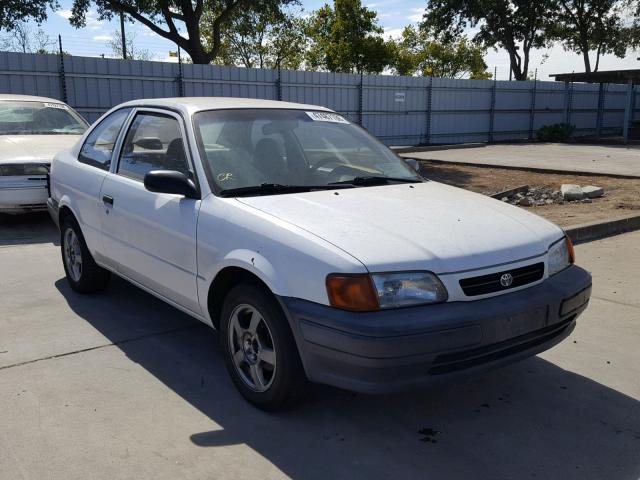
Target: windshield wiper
[(274, 189), (376, 180)]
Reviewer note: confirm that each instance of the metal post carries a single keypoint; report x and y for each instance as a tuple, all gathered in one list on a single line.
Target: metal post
[(180, 78), (567, 102), (360, 98), (492, 111), (63, 79), (627, 111), (532, 111), (122, 37), (600, 115), (429, 110), (279, 83)]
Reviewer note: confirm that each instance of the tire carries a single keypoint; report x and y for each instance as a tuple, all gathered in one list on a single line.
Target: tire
[(87, 276), (259, 350)]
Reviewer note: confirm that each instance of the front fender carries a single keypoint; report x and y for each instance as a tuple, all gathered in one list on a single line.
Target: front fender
[(250, 260)]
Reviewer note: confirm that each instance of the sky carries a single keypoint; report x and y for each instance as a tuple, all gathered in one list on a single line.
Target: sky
[(393, 16)]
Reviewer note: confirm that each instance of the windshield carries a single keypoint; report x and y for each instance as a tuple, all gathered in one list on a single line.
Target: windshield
[(247, 148), (39, 118)]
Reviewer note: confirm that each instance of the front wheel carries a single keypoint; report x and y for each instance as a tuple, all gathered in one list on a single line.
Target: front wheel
[(83, 274), (259, 349)]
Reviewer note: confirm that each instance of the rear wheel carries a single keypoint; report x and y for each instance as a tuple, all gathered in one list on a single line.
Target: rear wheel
[(259, 349), (83, 274)]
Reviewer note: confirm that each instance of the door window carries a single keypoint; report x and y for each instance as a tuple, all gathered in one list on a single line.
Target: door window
[(154, 142), (98, 147)]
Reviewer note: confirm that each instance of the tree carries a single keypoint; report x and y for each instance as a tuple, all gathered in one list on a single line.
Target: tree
[(514, 25), (22, 39), (583, 26), (15, 12), (417, 52), (204, 21), (346, 38), (133, 53), (264, 40)]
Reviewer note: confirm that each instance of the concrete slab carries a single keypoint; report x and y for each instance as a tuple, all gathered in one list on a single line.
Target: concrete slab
[(574, 158), (147, 403)]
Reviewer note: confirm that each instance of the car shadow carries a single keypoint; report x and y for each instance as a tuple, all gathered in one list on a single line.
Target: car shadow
[(532, 419), (28, 228)]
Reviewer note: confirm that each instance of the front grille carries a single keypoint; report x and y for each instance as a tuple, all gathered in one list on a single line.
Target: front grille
[(485, 284)]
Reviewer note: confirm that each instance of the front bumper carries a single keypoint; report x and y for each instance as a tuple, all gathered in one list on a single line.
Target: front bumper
[(405, 348), (23, 198)]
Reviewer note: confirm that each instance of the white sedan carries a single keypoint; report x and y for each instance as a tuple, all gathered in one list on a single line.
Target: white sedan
[(32, 131), (317, 252)]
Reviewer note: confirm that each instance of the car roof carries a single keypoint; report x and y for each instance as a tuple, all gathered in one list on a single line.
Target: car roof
[(27, 98), (196, 104)]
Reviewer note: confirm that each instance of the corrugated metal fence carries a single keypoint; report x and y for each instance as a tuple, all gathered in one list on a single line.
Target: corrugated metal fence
[(398, 110)]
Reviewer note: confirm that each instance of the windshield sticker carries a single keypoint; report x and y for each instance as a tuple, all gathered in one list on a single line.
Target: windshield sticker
[(326, 117), (56, 105)]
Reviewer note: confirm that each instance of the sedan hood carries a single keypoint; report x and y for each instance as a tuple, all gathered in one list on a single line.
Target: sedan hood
[(426, 226), (30, 148)]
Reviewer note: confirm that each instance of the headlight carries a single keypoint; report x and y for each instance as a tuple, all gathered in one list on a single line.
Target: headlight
[(560, 255), (384, 290), (409, 288)]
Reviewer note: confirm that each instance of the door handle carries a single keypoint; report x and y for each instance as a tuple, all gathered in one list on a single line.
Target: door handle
[(107, 199)]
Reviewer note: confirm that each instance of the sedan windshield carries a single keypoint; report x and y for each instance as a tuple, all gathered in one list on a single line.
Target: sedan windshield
[(265, 152), (39, 118)]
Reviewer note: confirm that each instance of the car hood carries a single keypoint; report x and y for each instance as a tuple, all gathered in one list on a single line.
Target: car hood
[(425, 226), (30, 148)]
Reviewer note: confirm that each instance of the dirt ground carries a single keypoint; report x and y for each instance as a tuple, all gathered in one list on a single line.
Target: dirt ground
[(622, 196)]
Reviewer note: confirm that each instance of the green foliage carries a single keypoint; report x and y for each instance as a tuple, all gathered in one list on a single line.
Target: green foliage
[(264, 40), (583, 26), (205, 21), (514, 25), (557, 132), (15, 12), (346, 38), (417, 52)]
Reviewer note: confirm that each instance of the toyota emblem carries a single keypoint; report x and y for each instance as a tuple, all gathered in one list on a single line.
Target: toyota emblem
[(506, 279)]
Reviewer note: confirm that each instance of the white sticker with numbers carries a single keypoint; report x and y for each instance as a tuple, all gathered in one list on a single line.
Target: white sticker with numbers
[(326, 117), (56, 105)]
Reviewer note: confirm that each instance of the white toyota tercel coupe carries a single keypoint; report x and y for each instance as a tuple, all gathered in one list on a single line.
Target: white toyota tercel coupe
[(32, 131), (317, 252)]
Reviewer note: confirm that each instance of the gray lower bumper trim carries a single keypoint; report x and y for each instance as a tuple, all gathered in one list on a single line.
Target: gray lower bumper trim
[(396, 349)]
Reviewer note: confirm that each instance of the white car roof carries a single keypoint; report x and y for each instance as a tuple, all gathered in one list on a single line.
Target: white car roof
[(191, 105), (27, 98)]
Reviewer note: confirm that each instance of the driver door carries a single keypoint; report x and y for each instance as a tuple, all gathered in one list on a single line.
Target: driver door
[(151, 237)]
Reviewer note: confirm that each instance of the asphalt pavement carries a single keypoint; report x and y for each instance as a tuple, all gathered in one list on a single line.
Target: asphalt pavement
[(119, 385)]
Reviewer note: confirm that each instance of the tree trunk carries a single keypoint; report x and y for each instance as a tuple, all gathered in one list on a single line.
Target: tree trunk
[(587, 60)]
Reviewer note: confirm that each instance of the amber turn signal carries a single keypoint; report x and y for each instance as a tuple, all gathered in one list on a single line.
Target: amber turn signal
[(572, 254), (352, 292)]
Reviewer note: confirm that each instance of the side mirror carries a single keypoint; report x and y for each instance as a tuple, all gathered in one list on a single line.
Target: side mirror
[(170, 181), (413, 163), (149, 143)]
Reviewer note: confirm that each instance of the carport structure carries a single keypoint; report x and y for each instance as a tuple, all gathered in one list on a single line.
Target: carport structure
[(624, 77)]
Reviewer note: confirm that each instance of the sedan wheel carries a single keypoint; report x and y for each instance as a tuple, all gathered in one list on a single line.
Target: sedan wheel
[(259, 349), (72, 254), (83, 274), (251, 346)]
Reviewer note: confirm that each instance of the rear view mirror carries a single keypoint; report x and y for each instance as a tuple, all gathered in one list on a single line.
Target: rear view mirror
[(149, 143), (413, 163), (170, 181)]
